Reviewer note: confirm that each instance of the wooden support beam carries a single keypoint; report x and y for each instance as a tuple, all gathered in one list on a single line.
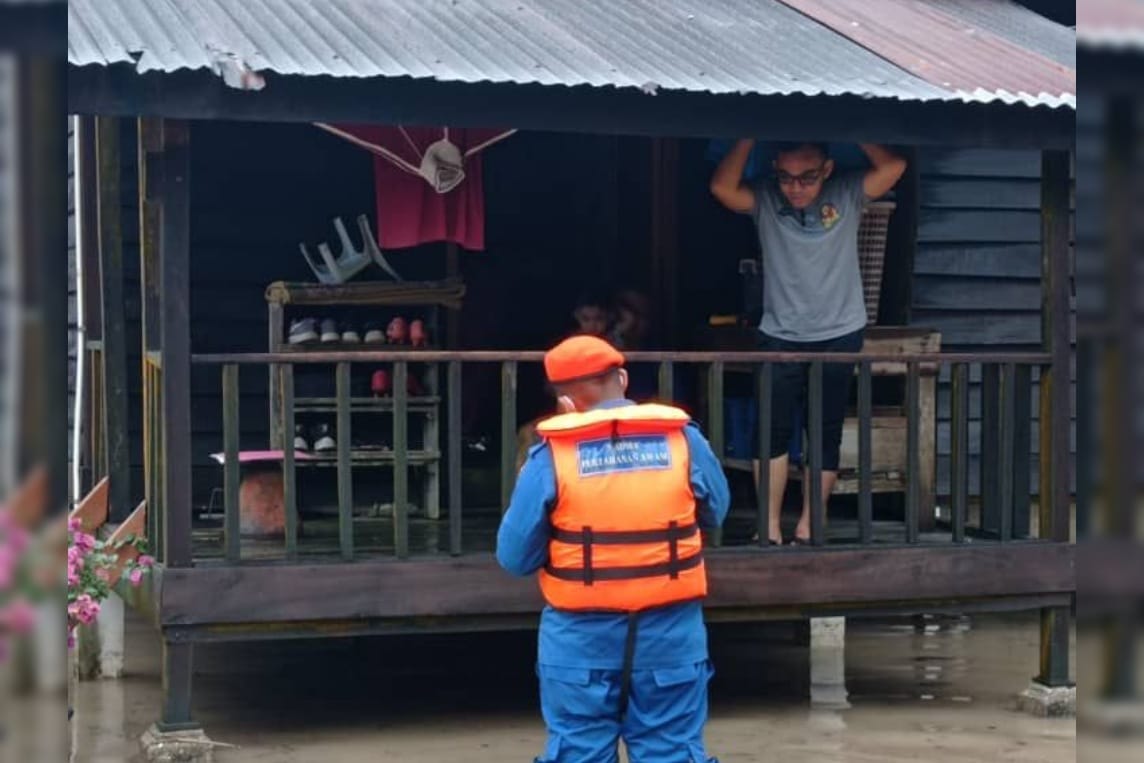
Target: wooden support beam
[(174, 333), (913, 456), (344, 439), (959, 460), (178, 674), (395, 100), (114, 318), (150, 182), (232, 521), (814, 454), (508, 431), (1055, 338), (37, 199), (716, 431), (93, 464), (764, 380), (1055, 393), (865, 454), (739, 578), (454, 454), (401, 459), (284, 373)]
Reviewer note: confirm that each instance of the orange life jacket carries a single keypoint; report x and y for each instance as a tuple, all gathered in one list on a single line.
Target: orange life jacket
[(624, 532)]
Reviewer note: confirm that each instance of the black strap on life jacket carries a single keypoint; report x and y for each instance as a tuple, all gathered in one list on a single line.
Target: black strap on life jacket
[(586, 545), (673, 532), (583, 575), (586, 537)]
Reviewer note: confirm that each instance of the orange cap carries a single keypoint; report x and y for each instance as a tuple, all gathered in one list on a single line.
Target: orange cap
[(580, 357)]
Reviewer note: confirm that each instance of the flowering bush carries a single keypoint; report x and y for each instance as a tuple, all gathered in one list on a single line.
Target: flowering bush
[(16, 613), (93, 567)]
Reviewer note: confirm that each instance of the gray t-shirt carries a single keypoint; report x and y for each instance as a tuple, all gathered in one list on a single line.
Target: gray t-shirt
[(812, 287)]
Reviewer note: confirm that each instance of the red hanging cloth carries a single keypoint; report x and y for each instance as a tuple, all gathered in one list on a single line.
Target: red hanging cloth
[(427, 180)]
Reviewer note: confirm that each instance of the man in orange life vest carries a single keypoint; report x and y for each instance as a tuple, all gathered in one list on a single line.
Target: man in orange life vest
[(607, 509)]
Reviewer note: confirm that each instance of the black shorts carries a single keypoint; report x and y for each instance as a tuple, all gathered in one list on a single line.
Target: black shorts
[(789, 382)]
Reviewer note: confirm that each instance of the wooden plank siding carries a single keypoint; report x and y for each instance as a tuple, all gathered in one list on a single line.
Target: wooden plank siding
[(977, 273), (260, 189)]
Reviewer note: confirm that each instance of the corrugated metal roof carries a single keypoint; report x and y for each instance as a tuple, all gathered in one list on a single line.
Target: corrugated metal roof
[(960, 45), (1110, 24), (715, 46)]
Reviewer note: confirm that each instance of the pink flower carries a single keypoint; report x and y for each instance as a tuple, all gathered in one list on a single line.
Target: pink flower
[(75, 525), (84, 609), (103, 574), (7, 568), (145, 561), (135, 576), (15, 539), (84, 542), (19, 617), (75, 558)]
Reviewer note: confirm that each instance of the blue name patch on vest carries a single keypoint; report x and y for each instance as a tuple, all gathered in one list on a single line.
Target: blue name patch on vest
[(628, 454)]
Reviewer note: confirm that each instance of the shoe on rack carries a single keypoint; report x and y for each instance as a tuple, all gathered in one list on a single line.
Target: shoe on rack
[(374, 333), (380, 384), (302, 331), (330, 331), (324, 441), (300, 441), (351, 336)]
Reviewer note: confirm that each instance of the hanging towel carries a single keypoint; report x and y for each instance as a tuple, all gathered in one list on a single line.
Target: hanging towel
[(427, 181)]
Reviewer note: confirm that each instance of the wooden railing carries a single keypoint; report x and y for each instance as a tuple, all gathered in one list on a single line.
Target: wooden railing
[(1006, 423)]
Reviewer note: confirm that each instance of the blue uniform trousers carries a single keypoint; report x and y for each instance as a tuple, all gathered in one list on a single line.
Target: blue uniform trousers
[(666, 712)]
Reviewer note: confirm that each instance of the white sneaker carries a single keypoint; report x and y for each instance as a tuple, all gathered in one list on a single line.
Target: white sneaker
[(351, 336), (374, 334), (330, 331), (324, 441), (303, 330)]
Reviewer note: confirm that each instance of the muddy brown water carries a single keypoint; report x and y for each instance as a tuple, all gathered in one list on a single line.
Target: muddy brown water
[(939, 689)]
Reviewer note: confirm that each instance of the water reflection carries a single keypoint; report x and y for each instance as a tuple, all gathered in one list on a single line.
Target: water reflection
[(934, 689)]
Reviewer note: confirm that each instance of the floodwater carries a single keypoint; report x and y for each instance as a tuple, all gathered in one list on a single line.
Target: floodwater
[(938, 689)]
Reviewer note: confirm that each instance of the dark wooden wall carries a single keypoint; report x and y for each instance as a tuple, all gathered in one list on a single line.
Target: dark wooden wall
[(7, 263), (552, 204), (977, 270), (564, 213)]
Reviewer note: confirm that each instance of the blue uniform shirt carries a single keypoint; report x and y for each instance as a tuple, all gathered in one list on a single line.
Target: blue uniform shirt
[(667, 637)]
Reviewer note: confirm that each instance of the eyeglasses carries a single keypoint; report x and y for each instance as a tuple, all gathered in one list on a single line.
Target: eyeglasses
[(805, 180)]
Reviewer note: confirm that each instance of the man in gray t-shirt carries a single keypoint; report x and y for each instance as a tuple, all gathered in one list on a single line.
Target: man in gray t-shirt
[(807, 221)]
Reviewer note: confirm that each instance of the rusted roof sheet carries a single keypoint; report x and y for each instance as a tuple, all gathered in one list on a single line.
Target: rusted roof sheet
[(1112, 24), (938, 42), (713, 46)]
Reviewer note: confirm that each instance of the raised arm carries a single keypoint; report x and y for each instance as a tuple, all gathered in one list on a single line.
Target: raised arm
[(727, 182), (887, 169)]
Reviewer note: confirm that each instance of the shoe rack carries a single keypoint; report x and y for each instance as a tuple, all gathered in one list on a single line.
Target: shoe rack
[(383, 300)]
